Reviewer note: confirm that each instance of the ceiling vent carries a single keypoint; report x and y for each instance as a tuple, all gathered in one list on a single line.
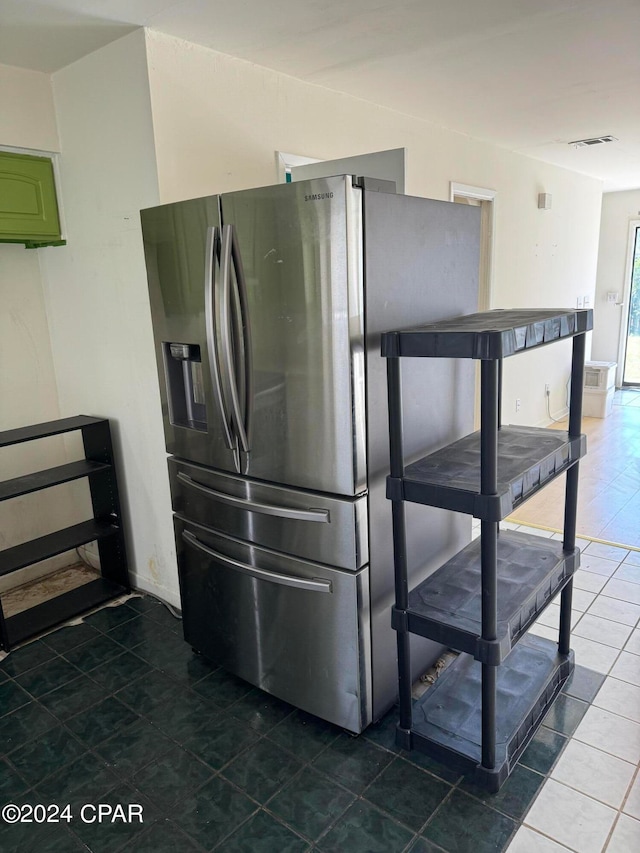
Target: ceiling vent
[(597, 140)]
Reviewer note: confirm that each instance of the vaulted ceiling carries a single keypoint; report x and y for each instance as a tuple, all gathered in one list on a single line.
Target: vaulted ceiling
[(528, 75)]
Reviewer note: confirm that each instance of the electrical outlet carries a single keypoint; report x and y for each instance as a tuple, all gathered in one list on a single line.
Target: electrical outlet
[(547, 389), (586, 301), (518, 403), (579, 302)]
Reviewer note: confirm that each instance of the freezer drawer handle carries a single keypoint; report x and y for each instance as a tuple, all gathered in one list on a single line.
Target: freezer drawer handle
[(313, 585), (321, 515)]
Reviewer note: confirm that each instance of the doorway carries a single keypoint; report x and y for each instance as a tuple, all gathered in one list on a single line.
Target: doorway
[(484, 199), (631, 335), (386, 165)]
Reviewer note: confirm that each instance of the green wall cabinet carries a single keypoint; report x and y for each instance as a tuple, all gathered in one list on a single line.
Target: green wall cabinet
[(28, 204)]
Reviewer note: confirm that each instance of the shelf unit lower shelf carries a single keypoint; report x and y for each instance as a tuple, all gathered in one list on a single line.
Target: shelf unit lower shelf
[(528, 459), (44, 547), (447, 719), (446, 607), (37, 619)]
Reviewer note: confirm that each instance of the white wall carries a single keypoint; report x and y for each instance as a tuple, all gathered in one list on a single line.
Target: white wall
[(27, 380), (618, 210), (179, 120), (29, 396), (96, 290), (219, 120), (27, 116)]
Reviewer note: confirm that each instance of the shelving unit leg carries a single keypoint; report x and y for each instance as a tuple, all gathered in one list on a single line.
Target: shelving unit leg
[(402, 602), (489, 423), (396, 451), (500, 363), (571, 491), (489, 534), (4, 636), (105, 501)]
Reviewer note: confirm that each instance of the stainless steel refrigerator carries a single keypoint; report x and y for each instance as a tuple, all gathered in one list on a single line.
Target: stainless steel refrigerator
[(267, 309)]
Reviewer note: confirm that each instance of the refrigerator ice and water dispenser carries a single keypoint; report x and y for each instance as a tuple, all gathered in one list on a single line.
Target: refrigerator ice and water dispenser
[(185, 390)]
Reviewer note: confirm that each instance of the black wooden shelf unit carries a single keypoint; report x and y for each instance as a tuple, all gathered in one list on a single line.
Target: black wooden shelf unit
[(105, 527), (487, 705)]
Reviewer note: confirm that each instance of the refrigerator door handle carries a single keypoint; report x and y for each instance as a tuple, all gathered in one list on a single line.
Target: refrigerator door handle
[(243, 298), (210, 292), (313, 585), (230, 353), (321, 515)]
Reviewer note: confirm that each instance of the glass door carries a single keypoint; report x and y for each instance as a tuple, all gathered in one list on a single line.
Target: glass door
[(631, 372)]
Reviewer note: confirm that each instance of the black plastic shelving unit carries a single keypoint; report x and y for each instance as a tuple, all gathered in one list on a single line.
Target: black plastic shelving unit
[(486, 706), (105, 527)]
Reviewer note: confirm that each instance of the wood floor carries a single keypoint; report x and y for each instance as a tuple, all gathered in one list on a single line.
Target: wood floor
[(609, 492)]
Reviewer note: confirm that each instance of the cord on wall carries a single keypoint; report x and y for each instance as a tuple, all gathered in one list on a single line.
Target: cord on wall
[(88, 559), (547, 393)]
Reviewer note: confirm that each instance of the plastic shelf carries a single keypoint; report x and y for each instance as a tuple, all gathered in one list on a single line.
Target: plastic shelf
[(44, 430), (37, 619), (447, 719), (485, 708), (12, 559), (528, 459), (51, 477), (446, 607), (487, 335)]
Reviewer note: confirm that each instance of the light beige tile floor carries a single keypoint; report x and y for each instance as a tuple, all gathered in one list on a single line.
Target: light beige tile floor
[(609, 491), (591, 803)]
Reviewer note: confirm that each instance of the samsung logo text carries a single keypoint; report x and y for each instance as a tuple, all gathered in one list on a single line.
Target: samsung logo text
[(318, 196)]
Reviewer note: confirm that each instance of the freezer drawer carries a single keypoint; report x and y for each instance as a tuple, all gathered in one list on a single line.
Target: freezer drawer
[(304, 524), (297, 630)]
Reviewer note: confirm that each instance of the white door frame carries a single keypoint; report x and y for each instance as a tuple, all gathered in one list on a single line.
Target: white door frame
[(487, 199), (284, 163), (626, 298), (388, 165)]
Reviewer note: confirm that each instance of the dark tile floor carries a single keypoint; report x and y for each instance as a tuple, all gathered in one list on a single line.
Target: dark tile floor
[(118, 710)]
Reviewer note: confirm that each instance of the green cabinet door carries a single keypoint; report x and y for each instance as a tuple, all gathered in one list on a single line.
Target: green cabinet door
[(28, 205)]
